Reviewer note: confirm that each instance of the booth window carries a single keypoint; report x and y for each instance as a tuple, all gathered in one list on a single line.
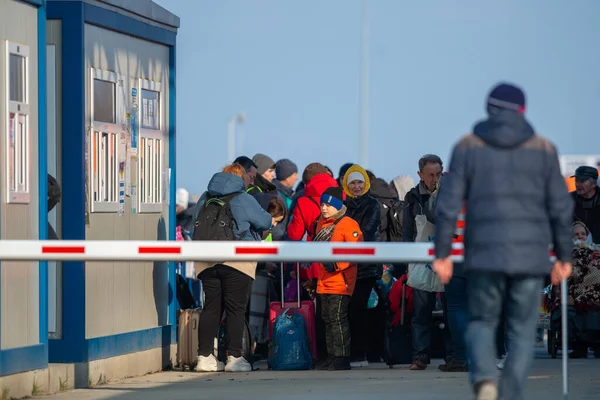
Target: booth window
[(151, 148), (17, 144), (104, 169)]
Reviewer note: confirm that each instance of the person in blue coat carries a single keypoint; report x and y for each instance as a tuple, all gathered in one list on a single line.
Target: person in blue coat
[(227, 284)]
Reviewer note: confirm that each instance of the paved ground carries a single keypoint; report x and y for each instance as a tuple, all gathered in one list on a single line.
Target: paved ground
[(376, 382)]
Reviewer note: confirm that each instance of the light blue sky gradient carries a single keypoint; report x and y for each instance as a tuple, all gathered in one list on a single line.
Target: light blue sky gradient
[(293, 68)]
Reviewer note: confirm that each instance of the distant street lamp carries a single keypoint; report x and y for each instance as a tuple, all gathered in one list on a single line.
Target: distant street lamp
[(239, 118)]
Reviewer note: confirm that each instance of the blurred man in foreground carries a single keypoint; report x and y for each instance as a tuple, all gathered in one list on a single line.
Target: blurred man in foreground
[(517, 204)]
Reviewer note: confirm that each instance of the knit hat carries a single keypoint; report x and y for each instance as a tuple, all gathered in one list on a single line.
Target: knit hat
[(508, 97), (182, 197), (285, 168), (334, 196), (355, 176), (263, 163)]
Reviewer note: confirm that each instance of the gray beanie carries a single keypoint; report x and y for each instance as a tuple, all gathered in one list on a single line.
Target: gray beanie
[(263, 162), (285, 168)]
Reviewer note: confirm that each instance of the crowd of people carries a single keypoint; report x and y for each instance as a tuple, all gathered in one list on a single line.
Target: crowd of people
[(505, 217)]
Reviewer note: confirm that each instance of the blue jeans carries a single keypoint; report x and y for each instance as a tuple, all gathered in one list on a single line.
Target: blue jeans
[(458, 315), (487, 292)]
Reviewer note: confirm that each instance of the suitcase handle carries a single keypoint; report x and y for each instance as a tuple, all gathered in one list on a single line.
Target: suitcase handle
[(283, 286), (402, 304)]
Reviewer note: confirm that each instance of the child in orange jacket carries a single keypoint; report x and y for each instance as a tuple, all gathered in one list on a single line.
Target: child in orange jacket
[(336, 280)]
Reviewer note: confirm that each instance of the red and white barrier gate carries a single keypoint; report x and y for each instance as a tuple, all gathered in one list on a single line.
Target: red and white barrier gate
[(118, 250), (121, 250)]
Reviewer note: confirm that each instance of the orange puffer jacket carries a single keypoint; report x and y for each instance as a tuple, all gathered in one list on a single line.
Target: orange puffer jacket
[(343, 280)]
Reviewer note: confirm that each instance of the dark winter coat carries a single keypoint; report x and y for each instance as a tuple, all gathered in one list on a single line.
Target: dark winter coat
[(365, 210), (588, 212), (386, 197), (415, 203), (516, 199)]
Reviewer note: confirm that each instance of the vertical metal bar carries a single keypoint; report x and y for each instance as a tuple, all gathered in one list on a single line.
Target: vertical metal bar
[(364, 85), (298, 282), (282, 289), (565, 341)]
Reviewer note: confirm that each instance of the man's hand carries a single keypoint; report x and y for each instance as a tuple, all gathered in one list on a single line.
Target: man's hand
[(443, 267), (560, 271)]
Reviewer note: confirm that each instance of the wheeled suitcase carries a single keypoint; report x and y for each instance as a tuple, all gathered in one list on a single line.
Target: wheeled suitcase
[(187, 348), (398, 338), (305, 308)]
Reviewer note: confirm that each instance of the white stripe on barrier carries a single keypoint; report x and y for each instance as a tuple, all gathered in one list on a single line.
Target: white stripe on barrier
[(217, 251)]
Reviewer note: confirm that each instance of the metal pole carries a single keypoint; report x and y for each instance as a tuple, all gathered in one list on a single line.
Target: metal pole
[(565, 341), (364, 86), (231, 139)]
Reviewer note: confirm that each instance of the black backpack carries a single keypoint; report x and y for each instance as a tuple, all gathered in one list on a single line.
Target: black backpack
[(215, 220), (394, 221)]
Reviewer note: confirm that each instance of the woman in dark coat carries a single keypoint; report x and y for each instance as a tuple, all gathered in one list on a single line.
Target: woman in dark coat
[(364, 209)]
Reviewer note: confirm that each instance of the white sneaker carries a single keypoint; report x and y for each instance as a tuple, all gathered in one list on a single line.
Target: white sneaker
[(359, 364), (209, 364), (237, 364), (487, 391), (500, 364)]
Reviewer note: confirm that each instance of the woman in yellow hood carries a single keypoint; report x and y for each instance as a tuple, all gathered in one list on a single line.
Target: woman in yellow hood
[(356, 181), (364, 209)]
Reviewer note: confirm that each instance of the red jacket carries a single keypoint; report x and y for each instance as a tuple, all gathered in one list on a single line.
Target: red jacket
[(306, 213), (308, 208)]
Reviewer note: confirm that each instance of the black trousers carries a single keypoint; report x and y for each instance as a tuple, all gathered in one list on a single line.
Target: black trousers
[(225, 289), (359, 318), (422, 326), (334, 310)]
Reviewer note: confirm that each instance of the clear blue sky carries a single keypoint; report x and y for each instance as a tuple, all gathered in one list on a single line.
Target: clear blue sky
[(293, 68)]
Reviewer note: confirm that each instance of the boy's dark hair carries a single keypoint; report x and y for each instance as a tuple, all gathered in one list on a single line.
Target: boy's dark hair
[(276, 208)]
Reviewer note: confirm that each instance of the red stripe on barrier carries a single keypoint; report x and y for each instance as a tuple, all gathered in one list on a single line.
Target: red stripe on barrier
[(159, 250), (453, 252), (361, 251), (63, 250), (257, 250)]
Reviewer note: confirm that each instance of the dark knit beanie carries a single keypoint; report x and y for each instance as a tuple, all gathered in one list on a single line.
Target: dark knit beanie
[(285, 168), (506, 96), (263, 163), (334, 196)]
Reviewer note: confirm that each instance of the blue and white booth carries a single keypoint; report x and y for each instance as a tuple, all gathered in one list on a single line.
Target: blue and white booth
[(92, 103)]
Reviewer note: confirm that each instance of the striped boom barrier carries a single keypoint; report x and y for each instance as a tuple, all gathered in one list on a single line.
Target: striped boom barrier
[(218, 251)]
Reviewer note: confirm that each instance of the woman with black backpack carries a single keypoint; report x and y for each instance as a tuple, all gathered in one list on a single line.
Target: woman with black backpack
[(226, 212)]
